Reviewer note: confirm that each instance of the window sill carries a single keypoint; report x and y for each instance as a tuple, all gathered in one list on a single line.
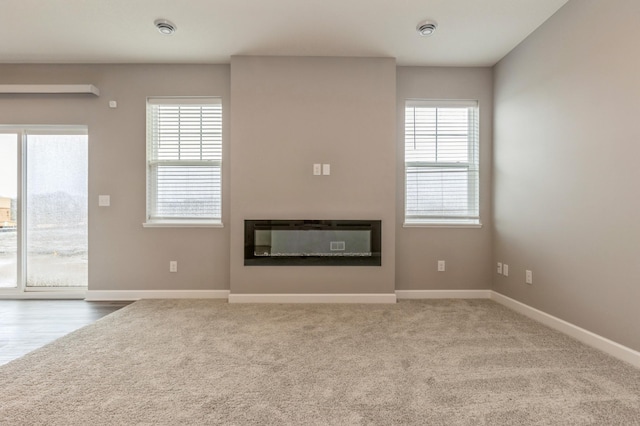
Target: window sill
[(441, 225), (182, 225)]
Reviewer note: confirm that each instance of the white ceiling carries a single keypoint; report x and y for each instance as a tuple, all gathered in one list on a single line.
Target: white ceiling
[(470, 32)]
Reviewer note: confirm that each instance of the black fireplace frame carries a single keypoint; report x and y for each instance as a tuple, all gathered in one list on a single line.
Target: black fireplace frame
[(374, 259)]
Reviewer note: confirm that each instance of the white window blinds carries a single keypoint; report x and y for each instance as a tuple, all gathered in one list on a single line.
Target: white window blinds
[(184, 160), (441, 162)]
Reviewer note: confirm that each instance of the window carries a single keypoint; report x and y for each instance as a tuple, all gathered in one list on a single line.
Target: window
[(184, 161), (441, 163)]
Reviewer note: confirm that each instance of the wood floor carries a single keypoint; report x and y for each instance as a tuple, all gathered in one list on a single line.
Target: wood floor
[(26, 325)]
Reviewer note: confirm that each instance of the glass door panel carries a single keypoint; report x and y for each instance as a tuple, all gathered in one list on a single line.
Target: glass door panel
[(8, 210), (56, 210)]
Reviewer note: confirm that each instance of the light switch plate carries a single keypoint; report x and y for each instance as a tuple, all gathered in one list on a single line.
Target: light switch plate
[(326, 169), (104, 200)]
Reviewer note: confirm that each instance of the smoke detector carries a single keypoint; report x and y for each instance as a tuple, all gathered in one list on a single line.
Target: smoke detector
[(165, 27), (426, 28)]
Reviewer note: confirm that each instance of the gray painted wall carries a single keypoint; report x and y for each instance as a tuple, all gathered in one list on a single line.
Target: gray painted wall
[(122, 254), (566, 169), (466, 251), (292, 112), (359, 138)]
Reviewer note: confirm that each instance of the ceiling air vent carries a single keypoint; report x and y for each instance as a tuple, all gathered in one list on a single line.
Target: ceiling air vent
[(165, 27), (426, 28)]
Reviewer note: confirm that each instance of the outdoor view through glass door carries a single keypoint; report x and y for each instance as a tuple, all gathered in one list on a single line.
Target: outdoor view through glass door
[(8, 210), (44, 244)]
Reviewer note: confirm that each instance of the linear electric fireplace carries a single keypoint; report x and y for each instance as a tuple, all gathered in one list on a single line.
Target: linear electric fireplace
[(312, 242)]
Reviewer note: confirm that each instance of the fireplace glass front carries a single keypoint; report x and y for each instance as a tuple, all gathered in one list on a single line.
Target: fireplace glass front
[(312, 242)]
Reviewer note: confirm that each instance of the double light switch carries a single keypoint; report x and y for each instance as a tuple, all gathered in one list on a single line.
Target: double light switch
[(321, 169)]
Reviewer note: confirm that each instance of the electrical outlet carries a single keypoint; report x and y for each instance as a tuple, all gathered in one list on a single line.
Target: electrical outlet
[(441, 267), (528, 277), (317, 169), (499, 267), (173, 266), (505, 269)]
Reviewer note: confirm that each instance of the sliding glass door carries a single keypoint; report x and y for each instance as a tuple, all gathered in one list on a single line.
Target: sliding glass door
[(56, 210), (45, 245), (8, 210)]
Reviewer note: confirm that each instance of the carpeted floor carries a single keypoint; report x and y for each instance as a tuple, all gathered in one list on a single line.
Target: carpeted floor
[(436, 362)]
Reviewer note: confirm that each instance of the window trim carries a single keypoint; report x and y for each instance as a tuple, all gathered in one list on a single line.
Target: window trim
[(191, 223), (434, 222), (180, 222)]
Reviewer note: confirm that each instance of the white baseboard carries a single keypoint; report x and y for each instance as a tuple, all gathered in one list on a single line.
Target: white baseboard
[(585, 336), (443, 294), (313, 298), (44, 295), (105, 295)]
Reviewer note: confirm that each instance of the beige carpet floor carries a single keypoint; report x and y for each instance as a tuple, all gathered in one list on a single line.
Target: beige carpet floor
[(439, 362)]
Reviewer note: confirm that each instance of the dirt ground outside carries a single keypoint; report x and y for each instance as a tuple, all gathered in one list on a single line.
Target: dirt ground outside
[(56, 257)]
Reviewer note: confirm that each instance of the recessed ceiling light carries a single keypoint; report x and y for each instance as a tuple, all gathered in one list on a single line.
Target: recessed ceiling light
[(165, 27), (426, 28)]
